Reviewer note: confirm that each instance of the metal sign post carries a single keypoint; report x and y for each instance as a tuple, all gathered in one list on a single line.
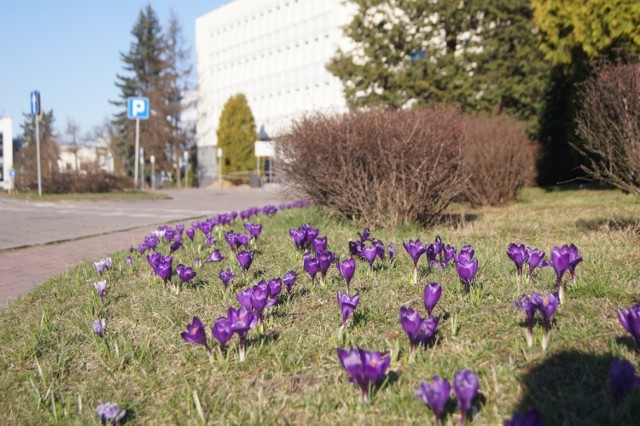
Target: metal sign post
[(186, 168), (138, 109), (35, 111), (152, 160), (220, 167), (142, 168)]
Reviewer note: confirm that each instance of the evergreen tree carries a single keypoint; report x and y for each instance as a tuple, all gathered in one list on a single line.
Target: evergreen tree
[(150, 72), (25, 161), (237, 135), (478, 54), (572, 34)]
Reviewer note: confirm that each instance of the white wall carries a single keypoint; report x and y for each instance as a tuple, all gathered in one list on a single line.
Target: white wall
[(274, 52), (6, 129)]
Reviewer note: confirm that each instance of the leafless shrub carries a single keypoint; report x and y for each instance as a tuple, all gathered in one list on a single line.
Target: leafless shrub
[(378, 167), (609, 125), (499, 157), (68, 182)]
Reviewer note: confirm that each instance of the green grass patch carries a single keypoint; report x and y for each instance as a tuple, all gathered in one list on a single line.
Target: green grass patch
[(56, 370), (101, 196)]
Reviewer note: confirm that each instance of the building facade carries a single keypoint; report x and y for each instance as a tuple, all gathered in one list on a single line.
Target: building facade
[(275, 53), (6, 153)]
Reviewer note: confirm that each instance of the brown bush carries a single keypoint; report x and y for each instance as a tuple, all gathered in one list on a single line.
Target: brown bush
[(378, 167), (609, 125), (72, 182), (499, 157)]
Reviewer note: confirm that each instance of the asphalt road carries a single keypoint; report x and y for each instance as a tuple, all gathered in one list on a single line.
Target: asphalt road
[(43, 239)]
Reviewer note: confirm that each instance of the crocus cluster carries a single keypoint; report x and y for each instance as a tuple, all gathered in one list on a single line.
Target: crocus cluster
[(521, 255), (161, 265), (236, 241), (102, 265), (303, 236), (630, 321), (466, 266), (420, 331), (546, 305), (365, 369), (439, 254), (369, 249), (110, 413), (260, 296), (238, 321), (436, 394)]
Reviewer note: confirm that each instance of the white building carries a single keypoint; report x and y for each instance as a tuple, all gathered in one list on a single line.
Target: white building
[(6, 153), (275, 53), (76, 157)]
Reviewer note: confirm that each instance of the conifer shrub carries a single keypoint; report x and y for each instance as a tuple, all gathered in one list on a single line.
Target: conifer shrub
[(608, 125), (378, 167), (499, 158)]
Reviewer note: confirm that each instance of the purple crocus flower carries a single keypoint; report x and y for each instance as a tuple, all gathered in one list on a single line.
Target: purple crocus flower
[(185, 273), (518, 254), (242, 320), (190, 233), (110, 413), (347, 269), (289, 279), (210, 240), (347, 306), (432, 292), (419, 330), (151, 242), (547, 306), (254, 229), (259, 299), (325, 260), (355, 248), (311, 265), (230, 238), (242, 240), (365, 236), (560, 259), (245, 258), (275, 287), (622, 378), (532, 418), (180, 229), (467, 270), (244, 298), (320, 244), (574, 259), (370, 254), (226, 276), (529, 308), (465, 386), (298, 237), (102, 265), (214, 257), (161, 265), (222, 331), (535, 258), (466, 253), (310, 234), (630, 320), (415, 250), (379, 245), (364, 368), (435, 395), (175, 246), (392, 252), (195, 333), (449, 253), (129, 260), (101, 286), (99, 326)]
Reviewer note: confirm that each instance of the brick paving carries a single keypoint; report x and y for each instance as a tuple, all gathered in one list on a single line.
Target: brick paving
[(58, 236)]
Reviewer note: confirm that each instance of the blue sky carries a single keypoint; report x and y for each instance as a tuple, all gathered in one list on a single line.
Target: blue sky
[(69, 50)]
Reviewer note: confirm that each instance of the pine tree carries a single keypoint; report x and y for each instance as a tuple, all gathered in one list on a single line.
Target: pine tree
[(237, 135), (25, 162), (150, 71), (478, 54)]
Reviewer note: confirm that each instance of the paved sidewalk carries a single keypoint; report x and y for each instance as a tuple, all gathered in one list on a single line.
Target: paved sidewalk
[(48, 230)]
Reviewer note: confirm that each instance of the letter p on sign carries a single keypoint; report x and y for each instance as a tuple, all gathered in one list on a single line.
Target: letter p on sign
[(138, 108)]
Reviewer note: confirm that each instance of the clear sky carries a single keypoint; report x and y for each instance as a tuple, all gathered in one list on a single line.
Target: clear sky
[(69, 50)]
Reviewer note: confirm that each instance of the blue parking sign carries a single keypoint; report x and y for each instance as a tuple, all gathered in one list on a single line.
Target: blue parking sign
[(138, 108)]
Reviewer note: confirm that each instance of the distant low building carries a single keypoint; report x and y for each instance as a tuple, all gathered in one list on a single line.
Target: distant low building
[(6, 153), (76, 157), (275, 53)]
